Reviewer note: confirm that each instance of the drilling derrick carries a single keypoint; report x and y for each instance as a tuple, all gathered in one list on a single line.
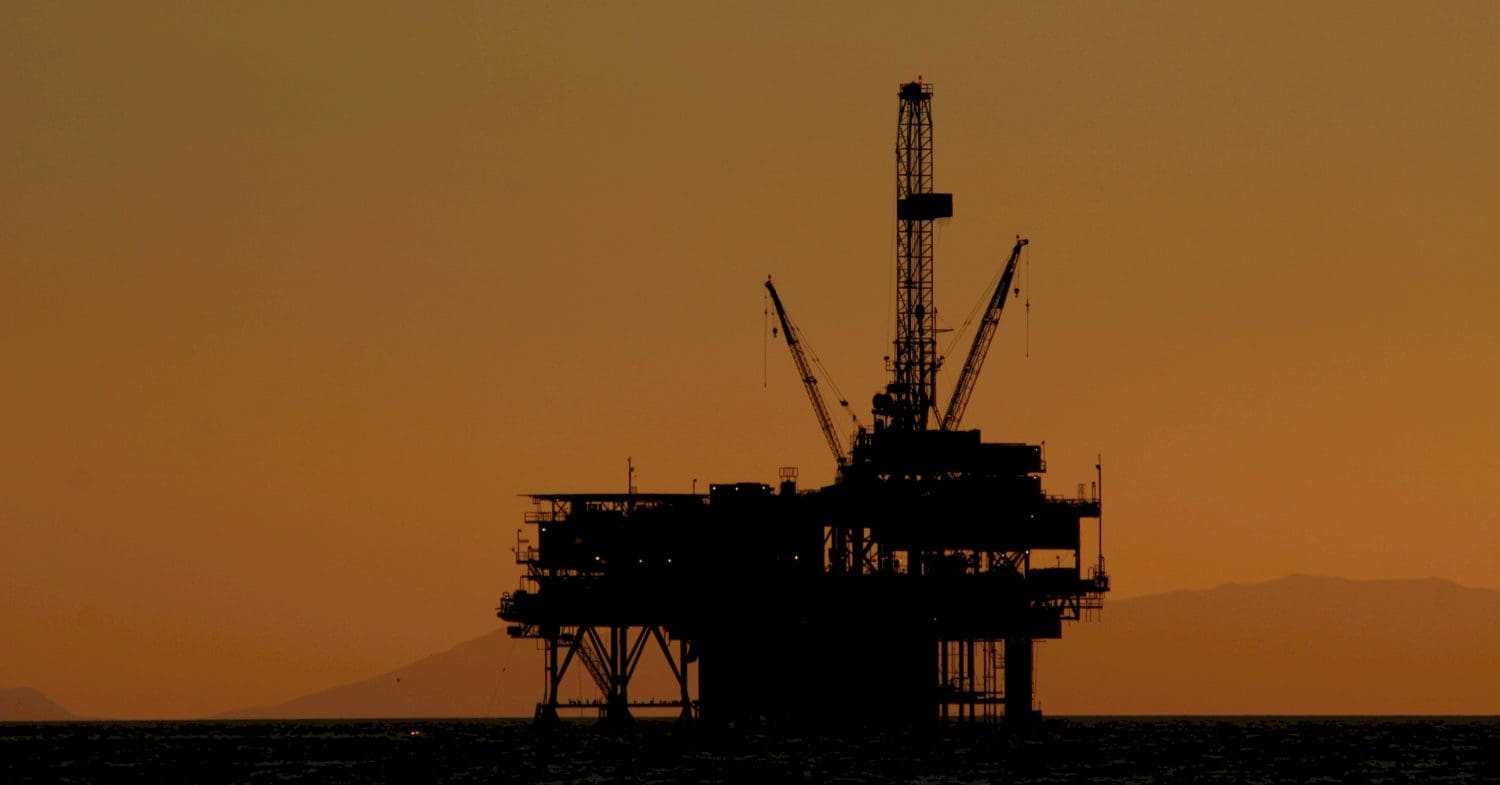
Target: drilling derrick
[(913, 388)]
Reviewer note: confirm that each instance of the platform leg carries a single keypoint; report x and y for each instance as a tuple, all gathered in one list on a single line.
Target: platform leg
[(1018, 682)]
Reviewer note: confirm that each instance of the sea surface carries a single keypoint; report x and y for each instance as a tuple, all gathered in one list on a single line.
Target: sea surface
[(1104, 750)]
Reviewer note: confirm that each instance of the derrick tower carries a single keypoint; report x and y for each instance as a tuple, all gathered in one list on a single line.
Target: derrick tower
[(913, 387)]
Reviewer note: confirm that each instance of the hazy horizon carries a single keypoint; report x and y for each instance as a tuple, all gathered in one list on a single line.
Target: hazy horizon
[(1261, 649), (298, 301)]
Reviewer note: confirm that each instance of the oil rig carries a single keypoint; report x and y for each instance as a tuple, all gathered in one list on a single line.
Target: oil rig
[(913, 587)]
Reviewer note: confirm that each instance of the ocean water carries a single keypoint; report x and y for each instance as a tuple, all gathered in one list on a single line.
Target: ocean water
[(1103, 750)]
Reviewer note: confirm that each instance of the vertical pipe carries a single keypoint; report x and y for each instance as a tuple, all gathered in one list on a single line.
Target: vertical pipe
[(973, 690), (682, 685), (943, 679)]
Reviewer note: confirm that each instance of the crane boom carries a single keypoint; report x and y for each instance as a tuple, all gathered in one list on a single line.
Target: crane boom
[(809, 380), (982, 338)]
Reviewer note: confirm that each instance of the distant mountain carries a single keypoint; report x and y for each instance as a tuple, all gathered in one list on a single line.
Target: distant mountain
[(484, 677), (1298, 645), (24, 704)]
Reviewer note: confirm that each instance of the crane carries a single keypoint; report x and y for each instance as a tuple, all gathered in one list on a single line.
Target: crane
[(982, 338), (809, 381)]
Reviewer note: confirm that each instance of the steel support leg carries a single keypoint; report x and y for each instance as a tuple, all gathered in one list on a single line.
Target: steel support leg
[(1018, 684), (546, 711)]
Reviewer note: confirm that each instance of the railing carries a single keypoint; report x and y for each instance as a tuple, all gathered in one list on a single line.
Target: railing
[(1084, 499)]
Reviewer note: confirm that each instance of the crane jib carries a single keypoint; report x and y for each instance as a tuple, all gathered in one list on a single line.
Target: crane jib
[(967, 378), (809, 379)]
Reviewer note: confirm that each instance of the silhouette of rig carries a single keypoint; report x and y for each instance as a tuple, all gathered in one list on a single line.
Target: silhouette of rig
[(913, 587)]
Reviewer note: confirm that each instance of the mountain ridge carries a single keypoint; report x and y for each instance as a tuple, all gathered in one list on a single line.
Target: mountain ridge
[(1300, 644), (1188, 651), (28, 704), (437, 685)]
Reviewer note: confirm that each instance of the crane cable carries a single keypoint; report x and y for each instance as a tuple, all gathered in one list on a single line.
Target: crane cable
[(984, 299), (765, 343), (768, 332), (828, 377), (817, 362), (1028, 301)]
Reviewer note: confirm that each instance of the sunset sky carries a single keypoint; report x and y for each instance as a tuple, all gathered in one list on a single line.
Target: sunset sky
[(296, 300)]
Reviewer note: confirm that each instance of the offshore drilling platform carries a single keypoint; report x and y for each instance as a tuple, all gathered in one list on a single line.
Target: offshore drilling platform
[(913, 587)]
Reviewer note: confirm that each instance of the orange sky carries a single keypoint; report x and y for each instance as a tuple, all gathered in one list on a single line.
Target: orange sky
[(295, 301)]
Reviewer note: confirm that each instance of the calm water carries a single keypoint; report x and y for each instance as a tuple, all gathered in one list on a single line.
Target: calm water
[(1237, 750)]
